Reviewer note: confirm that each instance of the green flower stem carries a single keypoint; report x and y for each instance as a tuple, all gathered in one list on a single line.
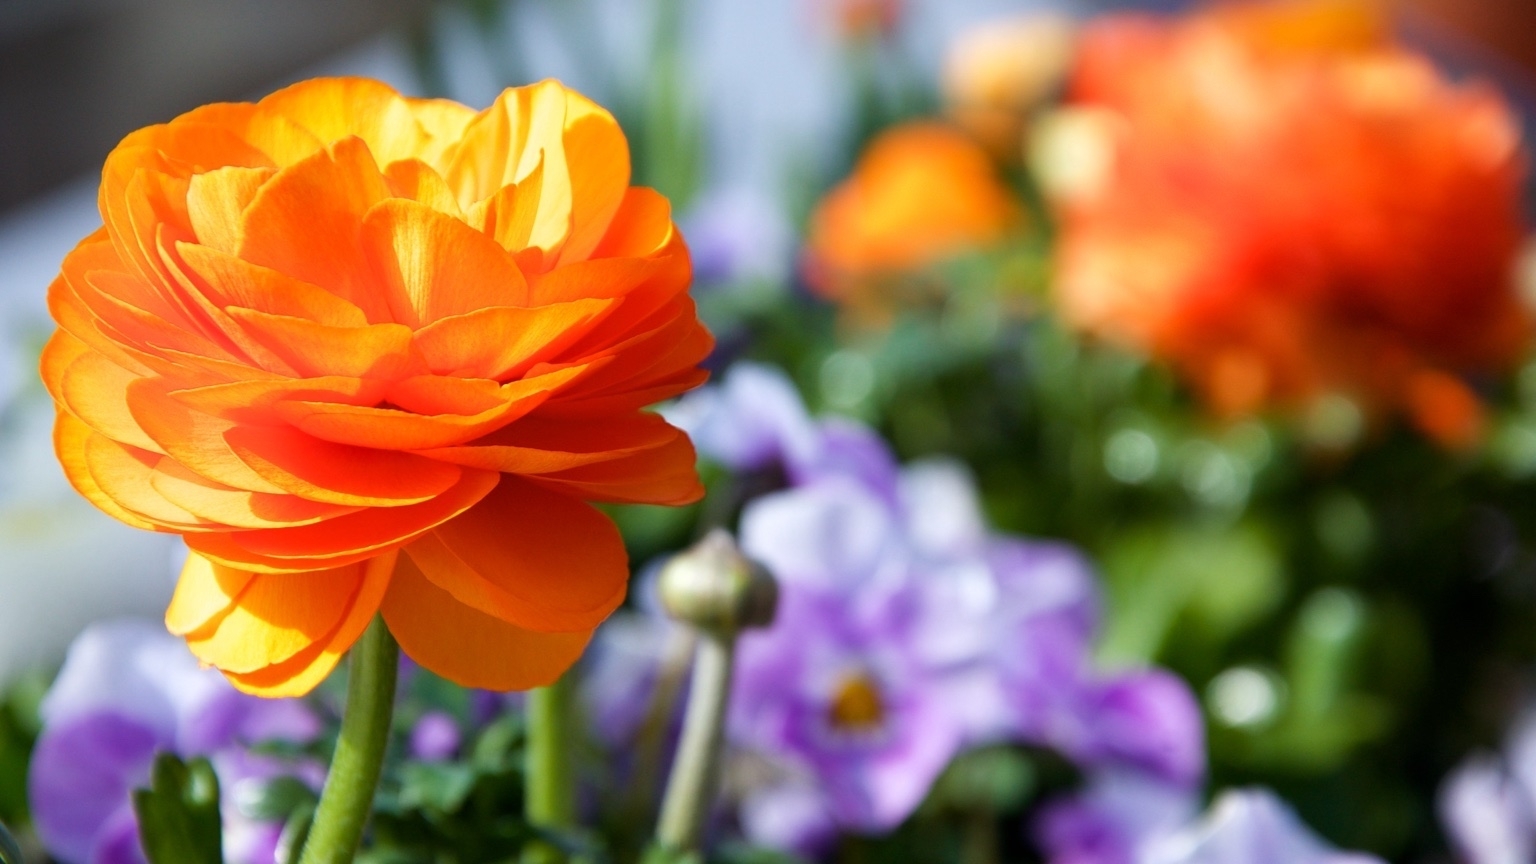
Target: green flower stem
[(549, 791), (347, 799), (690, 790)]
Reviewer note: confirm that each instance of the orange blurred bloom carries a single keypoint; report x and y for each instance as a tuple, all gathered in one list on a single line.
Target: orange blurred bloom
[(922, 192), (1290, 207), (369, 353)]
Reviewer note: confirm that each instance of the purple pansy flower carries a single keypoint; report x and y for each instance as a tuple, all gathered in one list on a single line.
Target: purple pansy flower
[(129, 690), (1488, 804)]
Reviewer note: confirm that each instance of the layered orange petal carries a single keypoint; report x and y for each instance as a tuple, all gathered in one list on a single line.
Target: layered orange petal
[(468, 646), (532, 557)]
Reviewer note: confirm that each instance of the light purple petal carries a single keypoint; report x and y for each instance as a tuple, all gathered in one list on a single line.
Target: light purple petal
[(1118, 814), (943, 515), (119, 841), (1487, 816), (833, 534), (1149, 720), (753, 418), (1250, 826), (846, 448), (792, 816)]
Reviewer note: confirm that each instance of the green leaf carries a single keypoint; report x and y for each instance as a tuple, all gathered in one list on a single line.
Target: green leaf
[(179, 813), (274, 800), (436, 786)]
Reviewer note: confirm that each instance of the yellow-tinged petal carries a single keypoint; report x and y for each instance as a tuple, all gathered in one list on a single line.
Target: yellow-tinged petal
[(431, 265), (216, 201), (205, 593), (300, 673)]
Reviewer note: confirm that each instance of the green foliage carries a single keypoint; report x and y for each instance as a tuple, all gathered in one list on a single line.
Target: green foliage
[(179, 813), (19, 725)]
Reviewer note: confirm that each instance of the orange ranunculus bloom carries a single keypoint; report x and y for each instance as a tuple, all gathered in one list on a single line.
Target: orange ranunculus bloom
[(369, 353), (920, 193), (1292, 206)]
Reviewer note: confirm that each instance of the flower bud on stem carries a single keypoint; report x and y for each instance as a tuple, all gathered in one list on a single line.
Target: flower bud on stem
[(720, 592)]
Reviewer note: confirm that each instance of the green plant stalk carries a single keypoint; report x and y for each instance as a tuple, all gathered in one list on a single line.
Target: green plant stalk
[(347, 799), (549, 791), (690, 789)]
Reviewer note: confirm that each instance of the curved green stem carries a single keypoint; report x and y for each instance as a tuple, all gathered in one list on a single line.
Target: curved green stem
[(549, 788), (347, 799), (691, 789)]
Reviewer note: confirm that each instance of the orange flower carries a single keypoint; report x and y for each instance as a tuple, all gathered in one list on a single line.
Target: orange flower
[(1290, 208), (920, 193), (369, 353)]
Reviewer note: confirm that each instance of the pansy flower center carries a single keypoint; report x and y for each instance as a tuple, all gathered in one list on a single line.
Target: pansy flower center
[(856, 705)]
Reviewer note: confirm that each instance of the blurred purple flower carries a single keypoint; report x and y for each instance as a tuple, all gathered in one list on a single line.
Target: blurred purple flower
[(735, 235), (127, 691), (1488, 804), (435, 737), (1125, 819), (754, 420)]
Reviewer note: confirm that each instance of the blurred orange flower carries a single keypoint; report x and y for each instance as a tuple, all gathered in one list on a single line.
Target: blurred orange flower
[(369, 353), (1290, 207), (920, 193)]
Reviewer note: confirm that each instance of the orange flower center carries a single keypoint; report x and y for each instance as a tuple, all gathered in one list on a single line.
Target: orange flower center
[(856, 705)]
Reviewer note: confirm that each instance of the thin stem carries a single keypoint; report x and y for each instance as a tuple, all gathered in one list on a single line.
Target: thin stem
[(690, 790), (347, 799), (549, 788)]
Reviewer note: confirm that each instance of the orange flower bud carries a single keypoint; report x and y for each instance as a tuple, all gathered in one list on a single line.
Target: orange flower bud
[(369, 353)]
